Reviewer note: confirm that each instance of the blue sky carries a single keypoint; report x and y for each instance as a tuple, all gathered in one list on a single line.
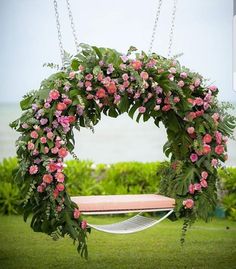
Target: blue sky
[(203, 32)]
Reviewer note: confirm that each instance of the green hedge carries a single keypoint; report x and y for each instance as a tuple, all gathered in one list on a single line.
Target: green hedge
[(86, 178)]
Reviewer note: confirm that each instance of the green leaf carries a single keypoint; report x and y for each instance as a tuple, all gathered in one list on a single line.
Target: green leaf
[(124, 104), (133, 109), (26, 103), (75, 64), (112, 112)]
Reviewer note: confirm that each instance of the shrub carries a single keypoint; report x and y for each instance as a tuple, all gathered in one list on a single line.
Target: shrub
[(86, 178)]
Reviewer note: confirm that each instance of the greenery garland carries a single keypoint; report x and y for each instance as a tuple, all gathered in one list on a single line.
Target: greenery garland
[(101, 80)]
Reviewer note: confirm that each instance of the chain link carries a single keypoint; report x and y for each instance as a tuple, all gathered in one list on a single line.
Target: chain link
[(59, 31), (75, 156), (155, 26), (172, 27), (72, 25)]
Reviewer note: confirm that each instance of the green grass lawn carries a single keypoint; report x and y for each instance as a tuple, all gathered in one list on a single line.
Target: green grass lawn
[(208, 245)]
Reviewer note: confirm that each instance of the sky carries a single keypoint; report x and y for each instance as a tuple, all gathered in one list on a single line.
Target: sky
[(203, 32)]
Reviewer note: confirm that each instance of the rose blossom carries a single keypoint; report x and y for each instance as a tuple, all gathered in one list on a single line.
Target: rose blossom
[(51, 167), (84, 224), (59, 177), (207, 138), (191, 189), (33, 169), (34, 134), (125, 76), (197, 187), (62, 152), (142, 109), (198, 101), (40, 188), (43, 121), (101, 93), (76, 213), (214, 162), (89, 77), (158, 101), (183, 75), (193, 157), (190, 130), (54, 94), (213, 88), (197, 82), (47, 178), (72, 75), (50, 135), (218, 136), (219, 149), (215, 116), (136, 64), (111, 88), (60, 187), (30, 146), (203, 183), (206, 149), (144, 75), (204, 174), (25, 126), (67, 101), (46, 150), (43, 140), (166, 108), (181, 83), (54, 150), (61, 106), (176, 99), (189, 203), (157, 107)]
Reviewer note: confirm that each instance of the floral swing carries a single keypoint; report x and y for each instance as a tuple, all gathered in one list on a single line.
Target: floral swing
[(145, 86)]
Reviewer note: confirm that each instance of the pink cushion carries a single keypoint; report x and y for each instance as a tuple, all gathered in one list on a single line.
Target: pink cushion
[(122, 202)]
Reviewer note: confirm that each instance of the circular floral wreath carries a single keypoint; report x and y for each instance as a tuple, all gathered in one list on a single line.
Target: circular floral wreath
[(101, 80)]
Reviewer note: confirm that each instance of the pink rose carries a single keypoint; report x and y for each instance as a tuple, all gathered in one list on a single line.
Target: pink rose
[(198, 101), (204, 174), (189, 203), (111, 88), (171, 77), (125, 77), (67, 101), (30, 146), (214, 162), (54, 94), (191, 189), (203, 183), (136, 64), (215, 116), (166, 108), (142, 109), (219, 149), (61, 106), (55, 193), (33, 169), (197, 82), (34, 134), (76, 213), (50, 135), (176, 99), (62, 152), (183, 75), (172, 70), (218, 136), (46, 150), (207, 138), (59, 177), (40, 188), (190, 130), (89, 77), (206, 149), (144, 75), (157, 107), (60, 187), (72, 75), (51, 167), (193, 157), (158, 101), (54, 150), (181, 83), (84, 224), (213, 88), (101, 93), (43, 140), (197, 187), (47, 178)]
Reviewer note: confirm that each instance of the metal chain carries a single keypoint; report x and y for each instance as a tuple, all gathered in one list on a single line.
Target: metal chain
[(155, 26), (75, 156), (172, 27), (59, 31), (72, 25)]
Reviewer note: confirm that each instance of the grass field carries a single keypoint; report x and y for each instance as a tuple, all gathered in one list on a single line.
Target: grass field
[(210, 245)]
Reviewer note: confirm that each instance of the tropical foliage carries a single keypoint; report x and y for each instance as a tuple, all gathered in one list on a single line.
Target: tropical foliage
[(148, 87)]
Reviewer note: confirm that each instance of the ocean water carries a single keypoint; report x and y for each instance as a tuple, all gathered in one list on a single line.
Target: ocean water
[(114, 140)]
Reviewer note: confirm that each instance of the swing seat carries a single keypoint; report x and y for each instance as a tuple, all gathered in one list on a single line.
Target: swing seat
[(120, 204)]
